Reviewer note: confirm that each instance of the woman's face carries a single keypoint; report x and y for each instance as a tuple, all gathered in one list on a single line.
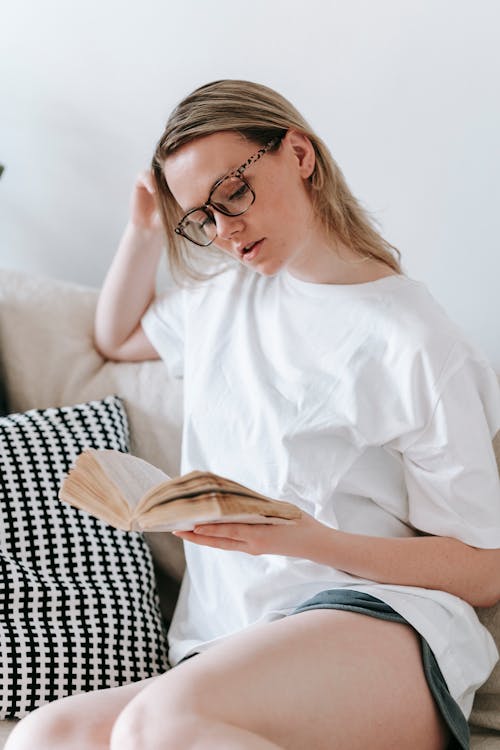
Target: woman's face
[(279, 228)]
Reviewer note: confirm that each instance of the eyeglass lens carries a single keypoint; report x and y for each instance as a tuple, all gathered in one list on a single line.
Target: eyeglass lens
[(231, 197)]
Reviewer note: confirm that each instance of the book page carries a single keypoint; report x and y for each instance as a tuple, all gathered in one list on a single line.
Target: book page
[(133, 476), (216, 507), (187, 524), (194, 484)]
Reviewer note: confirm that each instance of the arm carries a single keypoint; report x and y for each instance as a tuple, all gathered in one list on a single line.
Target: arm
[(429, 562), (129, 286)]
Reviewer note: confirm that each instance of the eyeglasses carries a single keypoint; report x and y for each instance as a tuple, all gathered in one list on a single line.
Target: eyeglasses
[(231, 196)]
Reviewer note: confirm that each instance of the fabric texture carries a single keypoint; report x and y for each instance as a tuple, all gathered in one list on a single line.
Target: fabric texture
[(78, 604), (362, 404)]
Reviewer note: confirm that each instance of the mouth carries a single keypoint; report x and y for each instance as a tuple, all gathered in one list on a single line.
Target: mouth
[(250, 251)]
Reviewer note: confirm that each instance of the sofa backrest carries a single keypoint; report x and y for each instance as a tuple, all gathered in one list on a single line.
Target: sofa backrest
[(46, 334)]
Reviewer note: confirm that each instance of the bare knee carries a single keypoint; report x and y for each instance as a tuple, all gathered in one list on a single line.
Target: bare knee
[(47, 727), (135, 731), (170, 714), (77, 721)]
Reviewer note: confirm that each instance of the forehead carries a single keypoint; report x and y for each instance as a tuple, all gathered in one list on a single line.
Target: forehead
[(191, 171)]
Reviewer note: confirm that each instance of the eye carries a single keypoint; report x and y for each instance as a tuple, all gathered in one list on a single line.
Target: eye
[(231, 194), (240, 193), (206, 222)]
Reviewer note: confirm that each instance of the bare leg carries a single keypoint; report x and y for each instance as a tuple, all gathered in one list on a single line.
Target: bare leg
[(79, 722), (319, 680)]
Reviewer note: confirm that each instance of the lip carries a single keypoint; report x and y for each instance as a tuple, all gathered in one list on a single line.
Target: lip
[(248, 257)]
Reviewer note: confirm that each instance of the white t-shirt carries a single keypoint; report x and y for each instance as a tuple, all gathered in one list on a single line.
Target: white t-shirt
[(364, 405)]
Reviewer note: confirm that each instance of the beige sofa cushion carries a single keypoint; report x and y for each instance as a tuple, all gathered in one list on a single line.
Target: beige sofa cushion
[(484, 741), (48, 359)]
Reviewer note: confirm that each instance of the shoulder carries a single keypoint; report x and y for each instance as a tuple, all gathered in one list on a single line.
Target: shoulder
[(432, 355), (220, 280), (409, 354), (417, 330)]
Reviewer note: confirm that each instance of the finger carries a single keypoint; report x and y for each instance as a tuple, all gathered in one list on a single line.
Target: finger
[(208, 541), (227, 530)]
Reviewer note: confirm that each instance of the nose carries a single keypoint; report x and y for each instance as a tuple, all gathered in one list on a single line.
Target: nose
[(227, 226)]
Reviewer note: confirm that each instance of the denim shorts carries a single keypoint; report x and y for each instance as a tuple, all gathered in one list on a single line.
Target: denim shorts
[(356, 601)]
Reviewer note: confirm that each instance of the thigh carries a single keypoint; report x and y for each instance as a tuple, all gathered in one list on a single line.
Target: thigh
[(319, 679)]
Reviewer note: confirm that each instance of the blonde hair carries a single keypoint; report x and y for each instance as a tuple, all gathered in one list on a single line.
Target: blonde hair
[(259, 114)]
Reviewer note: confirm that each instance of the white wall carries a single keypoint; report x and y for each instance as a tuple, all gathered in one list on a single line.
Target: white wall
[(404, 91)]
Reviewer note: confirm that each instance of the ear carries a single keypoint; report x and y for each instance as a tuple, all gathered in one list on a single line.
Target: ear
[(302, 151)]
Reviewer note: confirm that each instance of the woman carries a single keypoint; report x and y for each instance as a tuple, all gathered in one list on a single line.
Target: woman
[(314, 372)]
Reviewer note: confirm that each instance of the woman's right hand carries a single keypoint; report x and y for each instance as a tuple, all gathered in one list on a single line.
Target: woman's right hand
[(144, 211), (130, 284)]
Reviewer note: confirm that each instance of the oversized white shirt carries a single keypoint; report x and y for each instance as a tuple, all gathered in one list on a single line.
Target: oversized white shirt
[(362, 404)]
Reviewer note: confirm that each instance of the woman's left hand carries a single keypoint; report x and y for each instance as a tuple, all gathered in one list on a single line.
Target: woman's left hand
[(297, 539)]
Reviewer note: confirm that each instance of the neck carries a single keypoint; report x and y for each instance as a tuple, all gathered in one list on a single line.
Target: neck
[(325, 263)]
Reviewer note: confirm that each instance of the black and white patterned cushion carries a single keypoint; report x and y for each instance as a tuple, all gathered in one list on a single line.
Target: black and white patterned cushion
[(78, 604)]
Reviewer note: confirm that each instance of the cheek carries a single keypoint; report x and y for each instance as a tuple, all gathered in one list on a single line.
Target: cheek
[(286, 201)]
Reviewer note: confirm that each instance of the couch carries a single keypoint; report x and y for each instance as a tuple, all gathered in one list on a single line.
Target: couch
[(48, 359)]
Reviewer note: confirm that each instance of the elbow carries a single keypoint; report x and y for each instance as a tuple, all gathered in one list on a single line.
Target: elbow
[(488, 597), (487, 590), (102, 347), (478, 597), (136, 347), (476, 577), (485, 602), (103, 339), (108, 336), (106, 348)]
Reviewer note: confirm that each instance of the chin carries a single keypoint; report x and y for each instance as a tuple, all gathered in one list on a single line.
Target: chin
[(267, 268)]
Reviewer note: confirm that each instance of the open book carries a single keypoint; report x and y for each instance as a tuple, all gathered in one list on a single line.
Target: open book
[(131, 494)]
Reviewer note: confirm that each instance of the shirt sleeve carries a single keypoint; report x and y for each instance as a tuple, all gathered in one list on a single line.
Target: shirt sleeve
[(450, 469), (163, 324)]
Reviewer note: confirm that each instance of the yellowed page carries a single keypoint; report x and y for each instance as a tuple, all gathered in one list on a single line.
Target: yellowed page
[(131, 475), (215, 508), (87, 487)]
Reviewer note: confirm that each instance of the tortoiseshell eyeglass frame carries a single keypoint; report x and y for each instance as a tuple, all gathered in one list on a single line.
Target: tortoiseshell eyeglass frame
[(233, 173)]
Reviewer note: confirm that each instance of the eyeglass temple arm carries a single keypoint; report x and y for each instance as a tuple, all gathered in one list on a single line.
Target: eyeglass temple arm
[(258, 155)]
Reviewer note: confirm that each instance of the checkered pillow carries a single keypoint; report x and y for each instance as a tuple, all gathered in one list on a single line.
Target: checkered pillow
[(78, 604)]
